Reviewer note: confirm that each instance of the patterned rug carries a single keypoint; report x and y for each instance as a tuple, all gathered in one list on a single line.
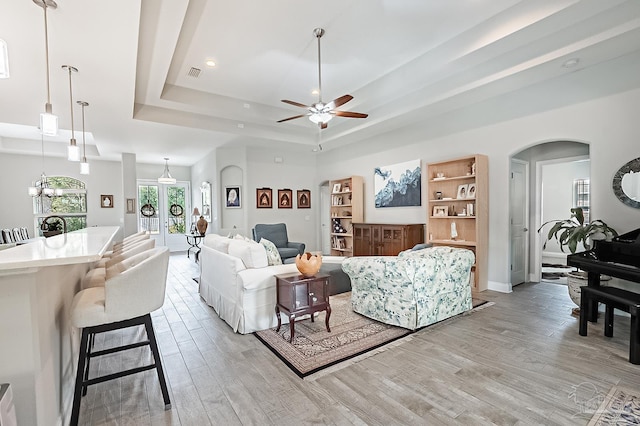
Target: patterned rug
[(619, 407), (352, 338)]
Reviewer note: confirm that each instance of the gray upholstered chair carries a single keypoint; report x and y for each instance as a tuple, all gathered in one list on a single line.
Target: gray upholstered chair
[(277, 234)]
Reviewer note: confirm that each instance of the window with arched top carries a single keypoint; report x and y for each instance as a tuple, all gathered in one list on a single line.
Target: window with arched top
[(71, 203)]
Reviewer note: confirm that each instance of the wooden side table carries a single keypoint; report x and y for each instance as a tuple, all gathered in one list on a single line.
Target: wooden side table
[(299, 295)]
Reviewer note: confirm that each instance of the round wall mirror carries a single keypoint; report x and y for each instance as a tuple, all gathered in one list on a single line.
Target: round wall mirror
[(626, 183)]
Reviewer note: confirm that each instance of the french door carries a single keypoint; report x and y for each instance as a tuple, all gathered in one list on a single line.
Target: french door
[(165, 212)]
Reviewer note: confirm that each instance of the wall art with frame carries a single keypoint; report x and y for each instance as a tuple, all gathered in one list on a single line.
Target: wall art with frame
[(304, 199), (232, 197), (264, 198), (285, 198), (398, 185), (106, 201)]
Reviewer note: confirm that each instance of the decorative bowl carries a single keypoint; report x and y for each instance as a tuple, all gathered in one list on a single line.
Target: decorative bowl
[(308, 264)]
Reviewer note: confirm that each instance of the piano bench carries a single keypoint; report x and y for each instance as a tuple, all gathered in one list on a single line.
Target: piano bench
[(613, 298)]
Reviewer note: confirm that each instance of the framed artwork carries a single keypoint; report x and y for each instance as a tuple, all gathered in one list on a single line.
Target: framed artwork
[(304, 199), (232, 197), (440, 211), (398, 185), (462, 191), (263, 198), (284, 198), (131, 205), (471, 190), (336, 188), (106, 201)]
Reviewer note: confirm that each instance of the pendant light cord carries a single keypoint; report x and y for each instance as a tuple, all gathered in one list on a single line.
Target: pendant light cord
[(71, 103), (46, 49)]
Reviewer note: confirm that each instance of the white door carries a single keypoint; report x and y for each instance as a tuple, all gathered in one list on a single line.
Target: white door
[(165, 212), (519, 219)]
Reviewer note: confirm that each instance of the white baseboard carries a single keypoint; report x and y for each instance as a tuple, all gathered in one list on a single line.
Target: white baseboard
[(501, 287)]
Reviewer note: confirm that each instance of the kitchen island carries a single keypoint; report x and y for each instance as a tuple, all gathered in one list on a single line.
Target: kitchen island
[(38, 344)]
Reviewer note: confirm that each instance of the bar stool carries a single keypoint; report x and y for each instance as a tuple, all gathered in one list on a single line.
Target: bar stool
[(126, 300), (108, 267)]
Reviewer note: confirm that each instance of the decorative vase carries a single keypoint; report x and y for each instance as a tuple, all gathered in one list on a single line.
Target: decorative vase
[(308, 264), (201, 225)]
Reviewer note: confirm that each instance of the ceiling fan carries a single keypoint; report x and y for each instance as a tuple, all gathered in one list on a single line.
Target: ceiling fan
[(319, 112)]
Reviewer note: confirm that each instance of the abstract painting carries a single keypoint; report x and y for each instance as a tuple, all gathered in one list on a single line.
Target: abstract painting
[(398, 185)]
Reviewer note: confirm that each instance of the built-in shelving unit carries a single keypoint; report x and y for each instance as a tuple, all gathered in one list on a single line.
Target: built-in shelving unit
[(346, 208), (458, 209)]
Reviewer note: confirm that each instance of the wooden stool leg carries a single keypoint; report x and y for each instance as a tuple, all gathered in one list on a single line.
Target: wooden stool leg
[(608, 320), (77, 393), (156, 357), (584, 312), (634, 341)]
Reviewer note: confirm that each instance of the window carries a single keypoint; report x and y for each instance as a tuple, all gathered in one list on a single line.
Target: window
[(581, 196), (71, 205)]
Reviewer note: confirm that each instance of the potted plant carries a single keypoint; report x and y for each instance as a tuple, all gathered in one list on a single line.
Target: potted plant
[(569, 233)]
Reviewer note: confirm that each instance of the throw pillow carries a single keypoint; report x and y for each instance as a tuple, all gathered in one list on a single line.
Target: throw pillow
[(273, 256)]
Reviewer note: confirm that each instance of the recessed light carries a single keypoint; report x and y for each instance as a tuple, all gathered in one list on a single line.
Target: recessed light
[(210, 63), (314, 92), (240, 125), (570, 63)]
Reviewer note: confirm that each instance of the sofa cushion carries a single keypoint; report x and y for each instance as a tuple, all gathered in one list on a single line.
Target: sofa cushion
[(252, 254), (217, 242), (273, 256)]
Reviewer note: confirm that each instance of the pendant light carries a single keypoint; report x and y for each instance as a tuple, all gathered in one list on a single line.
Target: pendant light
[(166, 177), (48, 121), (84, 165), (73, 152)]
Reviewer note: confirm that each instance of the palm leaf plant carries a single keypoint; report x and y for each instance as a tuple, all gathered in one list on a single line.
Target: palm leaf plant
[(570, 232)]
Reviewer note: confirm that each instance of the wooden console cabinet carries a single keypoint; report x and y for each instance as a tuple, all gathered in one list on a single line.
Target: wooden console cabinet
[(373, 239)]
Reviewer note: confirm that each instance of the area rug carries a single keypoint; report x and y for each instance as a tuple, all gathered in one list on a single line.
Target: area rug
[(619, 407), (352, 338)]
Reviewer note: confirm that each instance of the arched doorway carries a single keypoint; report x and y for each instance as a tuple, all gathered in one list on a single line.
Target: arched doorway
[(563, 162)]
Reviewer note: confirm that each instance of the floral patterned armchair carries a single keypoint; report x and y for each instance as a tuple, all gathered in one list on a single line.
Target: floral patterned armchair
[(414, 289)]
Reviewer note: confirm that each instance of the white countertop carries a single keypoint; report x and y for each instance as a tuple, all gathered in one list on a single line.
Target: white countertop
[(81, 246)]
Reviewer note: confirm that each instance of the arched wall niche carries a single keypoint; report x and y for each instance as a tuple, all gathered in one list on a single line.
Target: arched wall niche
[(232, 217)]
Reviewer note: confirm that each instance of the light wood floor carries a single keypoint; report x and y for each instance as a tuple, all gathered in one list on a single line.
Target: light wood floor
[(516, 362)]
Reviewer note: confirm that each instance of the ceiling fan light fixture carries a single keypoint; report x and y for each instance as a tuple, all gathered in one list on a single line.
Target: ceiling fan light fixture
[(320, 117)]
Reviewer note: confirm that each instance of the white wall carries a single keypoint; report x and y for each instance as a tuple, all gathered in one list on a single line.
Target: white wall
[(557, 199), (18, 172), (608, 124)]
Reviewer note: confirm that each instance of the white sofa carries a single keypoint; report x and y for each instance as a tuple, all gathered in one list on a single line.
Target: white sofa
[(237, 282)]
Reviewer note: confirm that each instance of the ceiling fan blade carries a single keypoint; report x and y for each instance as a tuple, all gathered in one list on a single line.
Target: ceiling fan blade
[(339, 101), (291, 118), (350, 114), (298, 104)]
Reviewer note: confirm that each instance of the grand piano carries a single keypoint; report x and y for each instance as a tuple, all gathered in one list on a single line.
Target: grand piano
[(619, 258)]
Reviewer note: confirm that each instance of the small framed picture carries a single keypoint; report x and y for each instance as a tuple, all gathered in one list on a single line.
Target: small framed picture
[(336, 188), (284, 198), (304, 199), (131, 205), (471, 190), (462, 191), (232, 194), (106, 201), (263, 198), (440, 211)]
